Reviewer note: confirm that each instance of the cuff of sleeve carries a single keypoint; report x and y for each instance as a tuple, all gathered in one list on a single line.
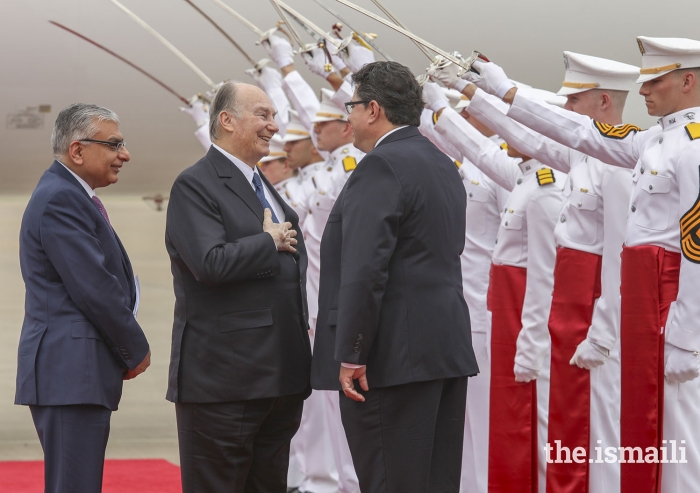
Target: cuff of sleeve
[(461, 84), (351, 366)]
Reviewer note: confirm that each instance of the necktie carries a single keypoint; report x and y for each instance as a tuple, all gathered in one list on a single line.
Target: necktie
[(101, 208), (257, 182)]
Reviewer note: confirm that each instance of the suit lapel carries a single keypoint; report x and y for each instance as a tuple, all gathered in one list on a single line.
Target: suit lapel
[(236, 181), (289, 214), (128, 271)]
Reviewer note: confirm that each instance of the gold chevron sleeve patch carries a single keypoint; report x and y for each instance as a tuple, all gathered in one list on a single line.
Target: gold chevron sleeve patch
[(616, 132), (690, 226), (349, 164), (458, 164), (436, 117), (545, 176), (504, 146), (693, 130)]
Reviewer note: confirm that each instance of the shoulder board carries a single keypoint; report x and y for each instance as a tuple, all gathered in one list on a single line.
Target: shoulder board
[(545, 176), (504, 146), (435, 118), (693, 130), (458, 164), (349, 164), (616, 132), (690, 224)]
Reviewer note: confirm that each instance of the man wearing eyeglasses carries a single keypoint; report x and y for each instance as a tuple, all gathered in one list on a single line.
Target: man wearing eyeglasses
[(80, 339), (393, 328)]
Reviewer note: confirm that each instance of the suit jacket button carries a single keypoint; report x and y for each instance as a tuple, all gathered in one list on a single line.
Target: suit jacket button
[(359, 337), (356, 350)]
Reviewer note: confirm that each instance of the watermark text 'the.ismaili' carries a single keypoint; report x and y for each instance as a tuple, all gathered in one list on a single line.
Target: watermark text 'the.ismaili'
[(670, 452)]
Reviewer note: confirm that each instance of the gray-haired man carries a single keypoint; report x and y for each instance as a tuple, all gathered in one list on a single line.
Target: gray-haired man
[(80, 338)]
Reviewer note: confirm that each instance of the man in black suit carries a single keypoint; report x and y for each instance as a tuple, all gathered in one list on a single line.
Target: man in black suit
[(240, 361), (391, 310)]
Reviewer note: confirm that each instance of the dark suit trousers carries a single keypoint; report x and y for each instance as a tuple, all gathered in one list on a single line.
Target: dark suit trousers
[(237, 447), (408, 438), (74, 439)]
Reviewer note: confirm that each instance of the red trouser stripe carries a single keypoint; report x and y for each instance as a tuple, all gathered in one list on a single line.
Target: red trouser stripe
[(649, 285), (513, 406), (576, 288)]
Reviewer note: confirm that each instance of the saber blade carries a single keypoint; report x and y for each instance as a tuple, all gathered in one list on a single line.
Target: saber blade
[(132, 65), (360, 34), (289, 25), (166, 43), (221, 30), (306, 23), (393, 19), (242, 19), (462, 63)]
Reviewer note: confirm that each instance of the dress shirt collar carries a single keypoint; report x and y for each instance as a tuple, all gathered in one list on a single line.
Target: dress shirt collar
[(388, 134), (87, 188), (247, 171), (680, 118)]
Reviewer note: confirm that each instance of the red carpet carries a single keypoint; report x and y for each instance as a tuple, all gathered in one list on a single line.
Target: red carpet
[(134, 476)]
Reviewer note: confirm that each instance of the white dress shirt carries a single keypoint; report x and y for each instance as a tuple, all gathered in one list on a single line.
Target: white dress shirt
[(249, 172), (82, 182)]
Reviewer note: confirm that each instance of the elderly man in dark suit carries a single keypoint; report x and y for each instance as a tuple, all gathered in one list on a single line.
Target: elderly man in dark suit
[(391, 311), (240, 363), (80, 339)]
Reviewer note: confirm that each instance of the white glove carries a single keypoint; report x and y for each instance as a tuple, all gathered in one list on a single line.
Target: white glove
[(357, 56), (524, 375), (589, 355), (492, 78), (266, 78), (680, 365), (279, 49), (317, 62), (447, 73), (198, 111), (338, 63), (434, 97)]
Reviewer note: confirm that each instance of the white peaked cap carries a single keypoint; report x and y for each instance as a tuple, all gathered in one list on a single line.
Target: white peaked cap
[(329, 111), (585, 72), (276, 150), (295, 129), (457, 100), (546, 96), (663, 55)]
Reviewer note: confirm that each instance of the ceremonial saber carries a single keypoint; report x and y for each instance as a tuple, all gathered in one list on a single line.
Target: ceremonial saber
[(132, 65), (339, 45), (361, 35), (167, 44), (242, 19), (302, 46), (400, 24), (465, 64), (221, 30)]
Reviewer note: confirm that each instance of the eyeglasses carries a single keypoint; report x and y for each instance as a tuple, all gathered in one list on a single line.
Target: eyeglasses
[(351, 104), (116, 146)]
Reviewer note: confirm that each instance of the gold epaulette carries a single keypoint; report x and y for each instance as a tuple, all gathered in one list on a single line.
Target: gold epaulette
[(615, 132), (545, 176), (349, 164), (693, 130)]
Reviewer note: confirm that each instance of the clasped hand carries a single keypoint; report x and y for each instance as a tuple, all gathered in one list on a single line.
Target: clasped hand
[(282, 233)]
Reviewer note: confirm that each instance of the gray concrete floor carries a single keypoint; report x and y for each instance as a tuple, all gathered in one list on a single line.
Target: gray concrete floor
[(144, 425)]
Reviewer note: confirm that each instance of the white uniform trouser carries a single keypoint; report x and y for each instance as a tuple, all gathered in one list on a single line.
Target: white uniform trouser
[(475, 450), (311, 448), (682, 424), (543, 421), (605, 424)]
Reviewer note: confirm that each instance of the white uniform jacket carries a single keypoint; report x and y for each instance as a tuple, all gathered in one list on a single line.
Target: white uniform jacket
[(666, 177), (594, 209), (292, 191), (526, 234)]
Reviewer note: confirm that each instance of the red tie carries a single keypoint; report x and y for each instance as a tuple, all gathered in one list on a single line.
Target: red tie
[(102, 209)]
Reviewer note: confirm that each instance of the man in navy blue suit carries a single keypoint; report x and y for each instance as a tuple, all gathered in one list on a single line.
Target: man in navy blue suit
[(80, 339)]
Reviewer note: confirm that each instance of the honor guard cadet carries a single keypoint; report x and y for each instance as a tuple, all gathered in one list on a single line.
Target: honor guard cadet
[(584, 404), (303, 157), (199, 111), (485, 202), (519, 300), (660, 273)]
